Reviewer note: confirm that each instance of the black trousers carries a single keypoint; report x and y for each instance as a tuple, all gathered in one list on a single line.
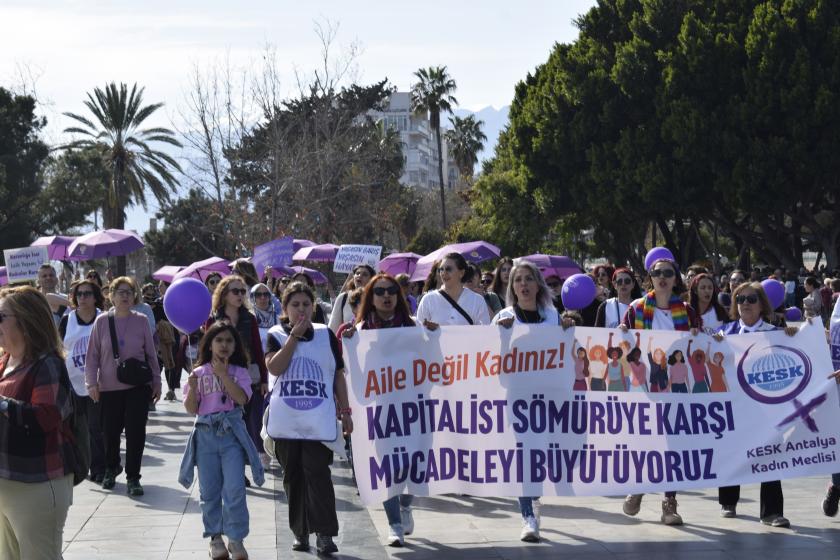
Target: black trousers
[(173, 378), (308, 484), (95, 443), (771, 501), (127, 410)]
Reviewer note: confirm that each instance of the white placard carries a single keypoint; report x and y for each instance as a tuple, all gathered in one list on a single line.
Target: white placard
[(490, 411), (350, 256), (22, 264)]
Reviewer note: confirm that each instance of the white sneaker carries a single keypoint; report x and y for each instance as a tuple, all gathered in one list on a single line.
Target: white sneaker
[(265, 460), (395, 535), (530, 530), (407, 519)]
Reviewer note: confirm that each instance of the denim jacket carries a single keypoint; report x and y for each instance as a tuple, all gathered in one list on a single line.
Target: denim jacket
[(222, 422)]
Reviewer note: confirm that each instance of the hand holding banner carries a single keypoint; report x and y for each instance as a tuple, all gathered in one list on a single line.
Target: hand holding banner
[(490, 411)]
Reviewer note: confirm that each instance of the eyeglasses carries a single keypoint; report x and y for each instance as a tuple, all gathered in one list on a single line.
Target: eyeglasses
[(663, 272), (262, 294), (741, 300), (391, 290), (626, 281), (3, 316), (238, 291), (84, 294), (124, 292)]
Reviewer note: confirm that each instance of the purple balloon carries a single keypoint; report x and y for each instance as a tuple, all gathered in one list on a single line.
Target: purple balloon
[(187, 304), (578, 291), (775, 291), (793, 314), (658, 253)]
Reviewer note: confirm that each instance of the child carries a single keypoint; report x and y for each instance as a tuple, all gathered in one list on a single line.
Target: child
[(216, 390)]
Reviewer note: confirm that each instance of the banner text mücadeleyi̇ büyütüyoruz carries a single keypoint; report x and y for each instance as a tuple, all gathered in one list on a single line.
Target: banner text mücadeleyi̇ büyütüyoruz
[(490, 411)]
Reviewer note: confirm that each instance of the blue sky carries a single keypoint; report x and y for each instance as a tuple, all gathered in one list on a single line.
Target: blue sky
[(72, 46)]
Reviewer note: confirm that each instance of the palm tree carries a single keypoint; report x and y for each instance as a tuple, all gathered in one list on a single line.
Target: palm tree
[(131, 162), (465, 140), (432, 94)]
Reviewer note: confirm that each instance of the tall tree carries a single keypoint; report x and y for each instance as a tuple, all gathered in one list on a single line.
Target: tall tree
[(432, 95), (125, 149), (22, 154), (465, 140)]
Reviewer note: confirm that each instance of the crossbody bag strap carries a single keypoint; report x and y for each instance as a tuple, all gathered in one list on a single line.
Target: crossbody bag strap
[(457, 307), (113, 328)]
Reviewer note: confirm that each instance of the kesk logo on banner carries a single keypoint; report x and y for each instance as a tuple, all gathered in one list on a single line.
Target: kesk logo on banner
[(490, 411), (350, 256)]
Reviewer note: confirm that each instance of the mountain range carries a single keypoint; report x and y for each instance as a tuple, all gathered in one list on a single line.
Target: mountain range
[(495, 120)]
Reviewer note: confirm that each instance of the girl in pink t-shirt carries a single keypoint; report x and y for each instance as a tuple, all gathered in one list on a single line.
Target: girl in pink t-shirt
[(219, 384), (677, 372)]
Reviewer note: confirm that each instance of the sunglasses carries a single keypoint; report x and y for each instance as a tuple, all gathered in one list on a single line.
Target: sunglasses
[(486, 282), (3, 316), (238, 291), (390, 290), (623, 281), (85, 293), (554, 285), (262, 294), (752, 298), (664, 273)]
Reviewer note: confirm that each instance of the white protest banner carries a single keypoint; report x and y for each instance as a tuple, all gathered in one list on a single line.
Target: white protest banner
[(350, 256), (489, 411), (23, 264)]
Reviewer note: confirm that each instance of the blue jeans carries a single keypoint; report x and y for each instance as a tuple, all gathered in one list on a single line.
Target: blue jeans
[(526, 507), (221, 483), (392, 507)]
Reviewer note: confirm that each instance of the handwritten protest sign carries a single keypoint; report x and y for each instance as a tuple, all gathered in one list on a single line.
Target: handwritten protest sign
[(490, 411), (350, 256), (23, 264)]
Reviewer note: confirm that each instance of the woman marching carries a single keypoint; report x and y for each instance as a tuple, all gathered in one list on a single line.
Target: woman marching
[(36, 471), (341, 312), (703, 297), (751, 312), (383, 306), (661, 309), (611, 311), (124, 395), (529, 302), (231, 304), (75, 329), (452, 304), (299, 349), (219, 444)]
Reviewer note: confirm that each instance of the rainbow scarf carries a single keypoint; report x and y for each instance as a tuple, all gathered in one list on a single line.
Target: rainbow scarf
[(644, 308)]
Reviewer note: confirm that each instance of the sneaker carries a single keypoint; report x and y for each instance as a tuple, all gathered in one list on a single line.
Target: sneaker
[(170, 395), (133, 488), (535, 505), (396, 535), (237, 550), (218, 551), (669, 512), (775, 521), (407, 519), (301, 543), (96, 477), (829, 503), (109, 480), (632, 504), (728, 511), (530, 530), (265, 460), (325, 545)]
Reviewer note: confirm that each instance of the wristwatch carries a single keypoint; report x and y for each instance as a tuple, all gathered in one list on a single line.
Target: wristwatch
[(4, 405)]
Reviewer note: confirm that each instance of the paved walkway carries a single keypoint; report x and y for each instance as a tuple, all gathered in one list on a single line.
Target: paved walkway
[(165, 524)]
